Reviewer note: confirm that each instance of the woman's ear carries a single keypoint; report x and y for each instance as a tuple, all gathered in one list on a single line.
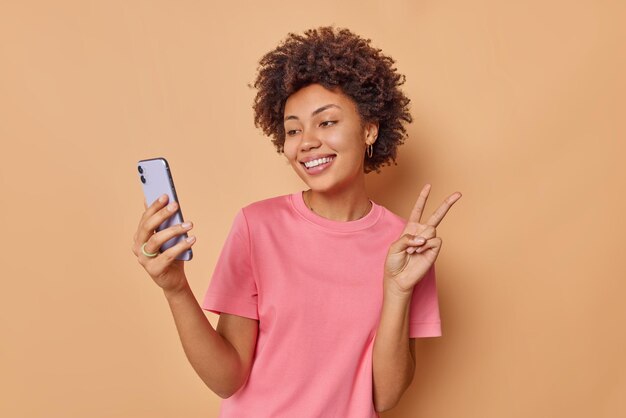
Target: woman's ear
[(371, 132)]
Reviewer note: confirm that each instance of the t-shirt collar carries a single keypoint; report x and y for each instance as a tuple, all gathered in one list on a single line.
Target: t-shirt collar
[(297, 200)]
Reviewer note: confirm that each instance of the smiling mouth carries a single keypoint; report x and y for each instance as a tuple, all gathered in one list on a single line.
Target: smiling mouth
[(320, 161)]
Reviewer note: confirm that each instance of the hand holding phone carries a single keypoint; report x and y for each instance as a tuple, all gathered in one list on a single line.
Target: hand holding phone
[(161, 243), (156, 178)]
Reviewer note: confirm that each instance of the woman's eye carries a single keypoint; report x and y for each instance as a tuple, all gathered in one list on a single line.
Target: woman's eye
[(328, 123), (291, 132)]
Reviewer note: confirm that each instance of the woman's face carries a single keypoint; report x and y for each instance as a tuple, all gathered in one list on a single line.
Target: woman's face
[(325, 138)]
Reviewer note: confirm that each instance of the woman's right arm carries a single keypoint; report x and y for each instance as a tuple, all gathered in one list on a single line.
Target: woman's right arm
[(214, 358), (221, 358)]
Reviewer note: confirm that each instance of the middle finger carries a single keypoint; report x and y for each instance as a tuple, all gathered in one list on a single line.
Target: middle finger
[(150, 224), (436, 217), (156, 241)]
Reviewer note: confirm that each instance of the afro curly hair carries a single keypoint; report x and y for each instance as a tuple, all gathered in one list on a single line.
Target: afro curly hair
[(335, 59)]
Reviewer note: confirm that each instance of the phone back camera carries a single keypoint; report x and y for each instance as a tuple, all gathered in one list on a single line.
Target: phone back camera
[(140, 169), (143, 179)]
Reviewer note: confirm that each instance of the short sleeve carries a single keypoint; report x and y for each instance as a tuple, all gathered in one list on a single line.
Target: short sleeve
[(233, 287), (424, 320)]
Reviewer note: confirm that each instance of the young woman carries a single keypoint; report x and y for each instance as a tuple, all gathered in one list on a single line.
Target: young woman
[(321, 293)]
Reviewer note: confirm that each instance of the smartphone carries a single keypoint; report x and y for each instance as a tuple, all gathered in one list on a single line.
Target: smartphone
[(156, 177)]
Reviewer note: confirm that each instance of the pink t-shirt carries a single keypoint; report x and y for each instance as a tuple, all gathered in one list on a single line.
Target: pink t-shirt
[(315, 285)]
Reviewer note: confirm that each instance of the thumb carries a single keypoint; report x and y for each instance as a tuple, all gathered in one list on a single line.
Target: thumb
[(406, 242)]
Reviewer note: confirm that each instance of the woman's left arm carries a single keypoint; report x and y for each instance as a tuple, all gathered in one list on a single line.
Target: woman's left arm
[(408, 260), (393, 354)]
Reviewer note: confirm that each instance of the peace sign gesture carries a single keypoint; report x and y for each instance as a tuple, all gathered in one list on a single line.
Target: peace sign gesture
[(410, 257)]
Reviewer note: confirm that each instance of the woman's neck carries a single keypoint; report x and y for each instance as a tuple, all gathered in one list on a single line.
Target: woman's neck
[(344, 206)]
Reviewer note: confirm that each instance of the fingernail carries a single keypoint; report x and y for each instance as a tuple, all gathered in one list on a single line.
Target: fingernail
[(186, 225), (171, 207), (162, 198), (191, 239), (419, 240)]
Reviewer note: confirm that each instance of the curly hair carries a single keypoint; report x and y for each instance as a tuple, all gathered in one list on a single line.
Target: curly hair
[(335, 59)]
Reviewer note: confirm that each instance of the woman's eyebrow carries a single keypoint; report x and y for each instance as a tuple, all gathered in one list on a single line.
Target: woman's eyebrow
[(315, 112)]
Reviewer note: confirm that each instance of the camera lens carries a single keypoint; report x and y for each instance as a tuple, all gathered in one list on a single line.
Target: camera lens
[(140, 169), (143, 179)]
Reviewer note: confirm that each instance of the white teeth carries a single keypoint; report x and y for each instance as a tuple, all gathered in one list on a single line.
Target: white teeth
[(314, 163)]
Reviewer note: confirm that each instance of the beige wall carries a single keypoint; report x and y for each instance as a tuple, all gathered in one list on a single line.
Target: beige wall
[(518, 105)]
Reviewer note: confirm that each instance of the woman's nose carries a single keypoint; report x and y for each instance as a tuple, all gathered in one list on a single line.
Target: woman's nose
[(309, 140)]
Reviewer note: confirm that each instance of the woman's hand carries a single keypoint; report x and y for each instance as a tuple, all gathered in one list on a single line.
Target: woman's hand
[(165, 269), (410, 257)]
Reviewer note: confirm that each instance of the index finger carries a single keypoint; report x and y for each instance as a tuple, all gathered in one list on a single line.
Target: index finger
[(416, 213), (154, 207), (436, 217)]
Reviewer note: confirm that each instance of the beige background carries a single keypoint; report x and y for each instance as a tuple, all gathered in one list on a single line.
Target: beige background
[(518, 105)]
